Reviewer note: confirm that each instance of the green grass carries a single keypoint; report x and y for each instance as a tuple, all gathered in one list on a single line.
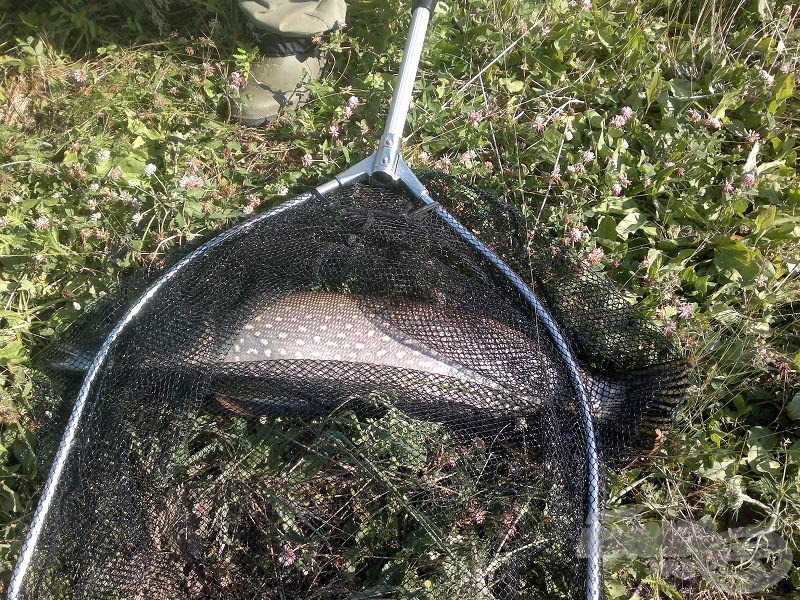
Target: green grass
[(657, 137)]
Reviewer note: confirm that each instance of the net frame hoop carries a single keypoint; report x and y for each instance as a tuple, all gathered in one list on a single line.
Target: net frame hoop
[(388, 166)]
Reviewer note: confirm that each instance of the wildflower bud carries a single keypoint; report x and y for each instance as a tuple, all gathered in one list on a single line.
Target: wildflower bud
[(235, 81), (748, 181), (685, 310)]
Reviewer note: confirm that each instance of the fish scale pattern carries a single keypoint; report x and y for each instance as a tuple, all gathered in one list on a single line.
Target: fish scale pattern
[(345, 400)]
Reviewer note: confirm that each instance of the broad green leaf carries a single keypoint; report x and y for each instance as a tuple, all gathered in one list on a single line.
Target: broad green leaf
[(607, 229), (514, 86), (762, 438), (12, 352), (681, 88), (766, 218), (729, 100), (793, 408), (653, 86), (784, 88), (630, 223), (719, 470), (733, 255)]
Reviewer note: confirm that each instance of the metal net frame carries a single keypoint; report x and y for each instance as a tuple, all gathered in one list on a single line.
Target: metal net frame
[(349, 396)]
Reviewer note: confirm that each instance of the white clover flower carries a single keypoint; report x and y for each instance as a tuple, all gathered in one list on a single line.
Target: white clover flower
[(713, 123), (623, 144), (5, 221), (595, 256), (136, 218), (96, 216), (694, 115), (616, 189), (575, 235), (586, 5), (354, 102), (149, 170), (467, 157), (587, 156), (103, 155), (307, 160), (626, 112), (42, 223), (766, 77), (539, 123), (617, 121), (248, 209), (79, 76), (190, 182), (94, 187), (282, 190), (424, 158)]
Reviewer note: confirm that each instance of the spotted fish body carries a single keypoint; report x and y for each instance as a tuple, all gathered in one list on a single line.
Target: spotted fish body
[(307, 351), (356, 339), (323, 326)]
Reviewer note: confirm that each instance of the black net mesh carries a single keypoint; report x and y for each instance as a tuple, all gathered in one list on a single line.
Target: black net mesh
[(347, 401)]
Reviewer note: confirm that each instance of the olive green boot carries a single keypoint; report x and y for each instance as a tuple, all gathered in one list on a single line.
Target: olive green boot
[(276, 81)]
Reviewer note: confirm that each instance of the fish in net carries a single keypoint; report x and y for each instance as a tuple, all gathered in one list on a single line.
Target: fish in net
[(348, 396)]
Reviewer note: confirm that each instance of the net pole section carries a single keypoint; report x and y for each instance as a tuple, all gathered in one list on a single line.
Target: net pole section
[(592, 538), (71, 431), (384, 167)]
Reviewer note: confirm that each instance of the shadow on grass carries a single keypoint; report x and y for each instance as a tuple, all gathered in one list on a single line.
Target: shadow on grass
[(77, 29)]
